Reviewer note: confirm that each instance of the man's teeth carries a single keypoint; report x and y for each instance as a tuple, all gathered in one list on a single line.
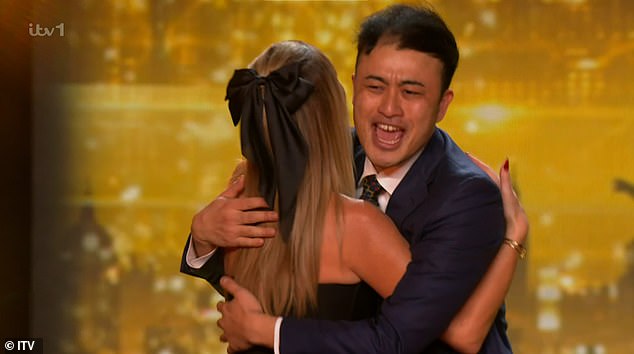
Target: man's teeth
[(387, 128)]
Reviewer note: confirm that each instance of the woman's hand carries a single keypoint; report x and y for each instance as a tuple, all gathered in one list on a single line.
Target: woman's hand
[(470, 326), (516, 219)]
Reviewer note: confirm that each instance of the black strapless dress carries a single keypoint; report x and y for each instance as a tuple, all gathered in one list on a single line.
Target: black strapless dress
[(339, 302)]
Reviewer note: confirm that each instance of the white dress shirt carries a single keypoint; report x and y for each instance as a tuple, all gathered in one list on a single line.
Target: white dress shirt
[(197, 262)]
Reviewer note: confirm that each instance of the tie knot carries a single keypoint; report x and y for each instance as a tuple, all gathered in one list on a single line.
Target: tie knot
[(371, 189)]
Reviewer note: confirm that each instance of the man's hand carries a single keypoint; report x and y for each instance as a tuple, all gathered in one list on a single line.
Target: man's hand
[(229, 221), (243, 321)]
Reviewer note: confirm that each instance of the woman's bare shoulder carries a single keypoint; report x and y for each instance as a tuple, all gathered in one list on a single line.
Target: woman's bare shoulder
[(372, 247), (364, 221)]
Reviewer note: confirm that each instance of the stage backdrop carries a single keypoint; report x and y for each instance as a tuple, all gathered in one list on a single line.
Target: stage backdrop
[(132, 137)]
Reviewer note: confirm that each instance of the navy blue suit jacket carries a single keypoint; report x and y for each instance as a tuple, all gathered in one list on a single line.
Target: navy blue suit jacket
[(451, 213)]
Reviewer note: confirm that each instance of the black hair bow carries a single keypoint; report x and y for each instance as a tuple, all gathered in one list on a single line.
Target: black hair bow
[(281, 93)]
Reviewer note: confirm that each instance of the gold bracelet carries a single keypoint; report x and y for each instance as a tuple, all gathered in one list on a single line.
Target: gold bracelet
[(521, 250)]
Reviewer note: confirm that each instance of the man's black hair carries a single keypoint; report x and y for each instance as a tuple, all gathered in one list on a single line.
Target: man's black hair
[(410, 27)]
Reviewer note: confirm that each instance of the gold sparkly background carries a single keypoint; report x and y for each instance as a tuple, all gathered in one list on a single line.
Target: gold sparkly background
[(131, 137)]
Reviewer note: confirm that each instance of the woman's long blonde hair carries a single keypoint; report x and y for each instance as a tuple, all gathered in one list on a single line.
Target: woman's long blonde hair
[(284, 275)]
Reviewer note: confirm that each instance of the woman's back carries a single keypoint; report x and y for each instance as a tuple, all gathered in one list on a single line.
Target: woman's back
[(349, 248), (358, 251)]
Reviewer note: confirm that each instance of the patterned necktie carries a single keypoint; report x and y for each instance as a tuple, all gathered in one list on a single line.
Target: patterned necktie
[(371, 189)]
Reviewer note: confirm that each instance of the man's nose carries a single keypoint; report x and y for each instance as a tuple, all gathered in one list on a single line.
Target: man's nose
[(391, 103)]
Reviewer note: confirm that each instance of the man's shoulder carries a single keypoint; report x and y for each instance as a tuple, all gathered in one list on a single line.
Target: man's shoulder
[(444, 170), (462, 176), (453, 163)]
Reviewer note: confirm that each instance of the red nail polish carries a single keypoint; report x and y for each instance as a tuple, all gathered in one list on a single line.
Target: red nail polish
[(506, 165)]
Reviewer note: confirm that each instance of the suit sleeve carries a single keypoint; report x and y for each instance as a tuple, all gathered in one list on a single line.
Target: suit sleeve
[(449, 257), (212, 271)]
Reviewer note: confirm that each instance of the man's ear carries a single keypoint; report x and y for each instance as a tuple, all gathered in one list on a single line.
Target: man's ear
[(443, 106)]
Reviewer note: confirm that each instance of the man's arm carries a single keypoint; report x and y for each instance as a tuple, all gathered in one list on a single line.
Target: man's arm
[(211, 271), (447, 264), (228, 221), (231, 221)]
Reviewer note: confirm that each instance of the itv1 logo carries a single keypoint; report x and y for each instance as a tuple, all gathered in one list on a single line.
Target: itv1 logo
[(37, 30)]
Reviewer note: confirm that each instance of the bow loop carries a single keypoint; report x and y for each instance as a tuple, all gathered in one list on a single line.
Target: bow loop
[(289, 87), (240, 88)]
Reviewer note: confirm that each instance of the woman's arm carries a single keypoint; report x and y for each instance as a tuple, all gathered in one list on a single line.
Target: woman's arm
[(372, 247), (468, 329), (375, 251)]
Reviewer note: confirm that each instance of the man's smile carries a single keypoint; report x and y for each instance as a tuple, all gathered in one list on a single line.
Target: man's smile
[(387, 135)]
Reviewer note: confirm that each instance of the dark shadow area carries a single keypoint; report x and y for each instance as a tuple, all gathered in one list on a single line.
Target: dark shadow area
[(15, 178)]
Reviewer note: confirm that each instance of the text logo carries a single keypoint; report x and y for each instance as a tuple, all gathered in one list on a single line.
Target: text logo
[(37, 30), (24, 345)]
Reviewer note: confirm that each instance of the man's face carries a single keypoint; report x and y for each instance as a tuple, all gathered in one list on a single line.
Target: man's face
[(397, 102)]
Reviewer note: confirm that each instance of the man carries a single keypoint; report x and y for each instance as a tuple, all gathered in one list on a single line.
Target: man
[(447, 208)]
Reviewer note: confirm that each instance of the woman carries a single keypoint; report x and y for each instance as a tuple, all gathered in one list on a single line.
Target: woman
[(296, 140)]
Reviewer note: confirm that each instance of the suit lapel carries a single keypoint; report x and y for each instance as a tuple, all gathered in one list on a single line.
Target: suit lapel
[(359, 157), (413, 189)]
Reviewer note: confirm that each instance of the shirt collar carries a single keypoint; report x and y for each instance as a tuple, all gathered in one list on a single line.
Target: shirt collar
[(389, 181)]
